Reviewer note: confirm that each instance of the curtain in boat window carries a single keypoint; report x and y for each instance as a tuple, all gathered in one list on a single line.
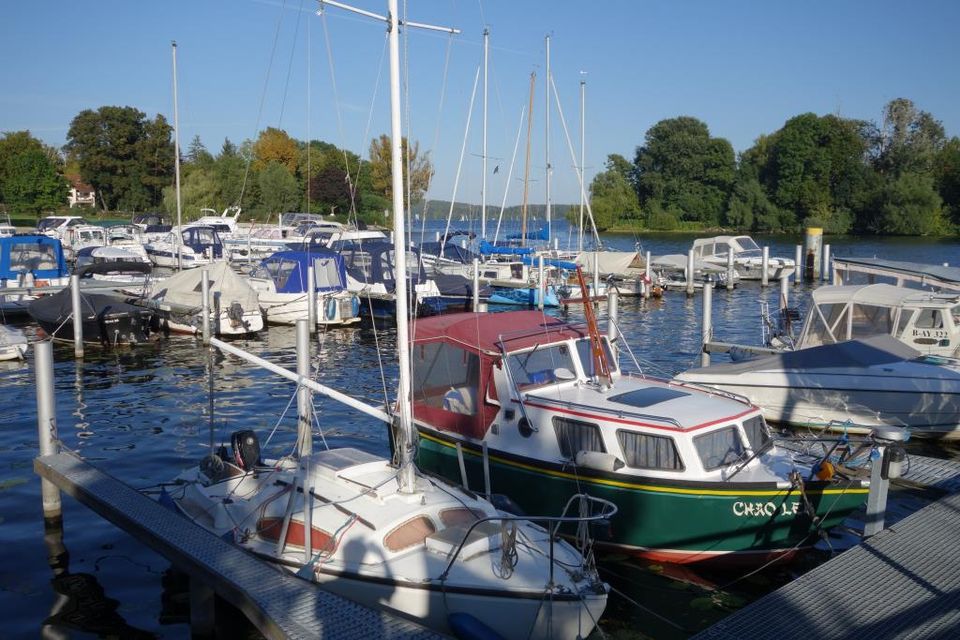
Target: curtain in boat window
[(645, 451), (756, 431), (574, 436), (719, 448)]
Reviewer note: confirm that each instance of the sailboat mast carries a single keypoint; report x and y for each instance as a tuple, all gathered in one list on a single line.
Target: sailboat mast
[(407, 476), (583, 145), (526, 166), (547, 142), (176, 156), (483, 185)]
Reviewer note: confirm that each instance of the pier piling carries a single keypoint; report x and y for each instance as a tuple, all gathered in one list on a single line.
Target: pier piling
[(205, 305), (476, 285), (707, 326), (731, 272), (798, 266), (689, 274), (541, 283), (880, 478), (784, 292), (765, 267), (77, 310), (312, 298), (647, 275), (613, 313), (825, 265), (47, 422)]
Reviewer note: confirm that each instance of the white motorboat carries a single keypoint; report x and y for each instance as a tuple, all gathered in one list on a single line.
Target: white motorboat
[(13, 343), (849, 386), (747, 257), (381, 533), (57, 226), (281, 282), (80, 237), (927, 321), (234, 305), (192, 247)]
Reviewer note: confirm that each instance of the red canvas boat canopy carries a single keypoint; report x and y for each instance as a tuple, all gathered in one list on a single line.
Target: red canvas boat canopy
[(485, 332)]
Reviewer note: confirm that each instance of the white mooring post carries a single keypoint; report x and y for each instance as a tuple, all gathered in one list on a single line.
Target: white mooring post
[(312, 298), (731, 272), (205, 308), (305, 433), (887, 463), (613, 313), (476, 285), (825, 267), (784, 292), (77, 312), (647, 275), (47, 422), (765, 267), (541, 284), (798, 266), (689, 274), (707, 324)]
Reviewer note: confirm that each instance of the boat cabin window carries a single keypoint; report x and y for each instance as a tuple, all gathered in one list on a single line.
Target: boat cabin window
[(575, 435), (460, 516), (586, 356), (387, 262), (906, 315), (821, 327), (326, 274), (277, 270), (929, 319), (409, 534), (645, 451), (756, 430), (446, 377), (359, 262), (719, 448), (748, 246), (539, 366), (870, 320), (955, 312), (32, 256)]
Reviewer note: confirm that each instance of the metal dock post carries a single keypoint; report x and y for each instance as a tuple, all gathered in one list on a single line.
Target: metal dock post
[(647, 275), (205, 305), (689, 274), (765, 267), (312, 298), (47, 422), (731, 272), (707, 327), (77, 309)]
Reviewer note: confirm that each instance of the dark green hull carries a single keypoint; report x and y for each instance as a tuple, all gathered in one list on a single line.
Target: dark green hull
[(661, 520)]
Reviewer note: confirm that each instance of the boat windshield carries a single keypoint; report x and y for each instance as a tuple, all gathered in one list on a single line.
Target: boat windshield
[(586, 356), (719, 448), (32, 256), (747, 247), (49, 223), (277, 270), (540, 366)]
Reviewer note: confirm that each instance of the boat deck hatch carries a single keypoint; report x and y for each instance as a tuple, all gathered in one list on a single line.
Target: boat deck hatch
[(482, 539), (648, 397), (337, 460)]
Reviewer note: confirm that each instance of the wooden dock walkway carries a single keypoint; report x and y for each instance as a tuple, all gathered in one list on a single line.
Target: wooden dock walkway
[(279, 604), (902, 583)]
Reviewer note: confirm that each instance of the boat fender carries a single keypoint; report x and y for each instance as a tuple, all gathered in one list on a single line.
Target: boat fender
[(331, 308), (355, 306), (468, 627), (598, 460), (246, 449)]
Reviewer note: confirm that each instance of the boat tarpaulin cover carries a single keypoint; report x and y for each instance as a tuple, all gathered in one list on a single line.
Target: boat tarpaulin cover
[(185, 288)]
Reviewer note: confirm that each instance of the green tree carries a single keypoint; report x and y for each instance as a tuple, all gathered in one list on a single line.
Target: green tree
[(907, 141), (198, 154), (278, 188), (947, 175), (750, 209), (122, 155), (420, 168), (682, 168), (30, 174), (910, 206), (31, 183), (612, 198), (330, 190)]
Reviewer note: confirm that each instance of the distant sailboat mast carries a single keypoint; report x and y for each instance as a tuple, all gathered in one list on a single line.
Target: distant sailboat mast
[(547, 142), (483, 184), (526, 167), (583, 146), (176, 156)]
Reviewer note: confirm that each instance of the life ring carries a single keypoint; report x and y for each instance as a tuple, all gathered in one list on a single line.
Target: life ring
[(331, 308)]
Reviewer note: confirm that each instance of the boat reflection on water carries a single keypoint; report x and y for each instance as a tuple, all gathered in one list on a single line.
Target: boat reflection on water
[(81, 604)]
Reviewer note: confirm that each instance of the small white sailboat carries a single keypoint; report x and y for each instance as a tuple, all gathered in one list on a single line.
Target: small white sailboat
[(13, 343), (383, 534)]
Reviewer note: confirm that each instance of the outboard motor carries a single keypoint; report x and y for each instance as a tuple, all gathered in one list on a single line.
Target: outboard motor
[(246, 449)]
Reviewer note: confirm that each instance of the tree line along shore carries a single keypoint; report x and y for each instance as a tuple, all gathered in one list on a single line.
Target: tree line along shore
[(899, 176)]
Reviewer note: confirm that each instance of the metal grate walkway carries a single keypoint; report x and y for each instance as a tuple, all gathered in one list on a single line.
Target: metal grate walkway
[(935, 473), (279, 604), (902, 583)]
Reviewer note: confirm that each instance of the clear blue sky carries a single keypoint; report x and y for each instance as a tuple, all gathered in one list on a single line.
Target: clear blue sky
[(741, 67)]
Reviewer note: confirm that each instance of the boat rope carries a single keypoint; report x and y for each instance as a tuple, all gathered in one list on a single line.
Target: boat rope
[(263, 96), (286, 84), (508, 550)]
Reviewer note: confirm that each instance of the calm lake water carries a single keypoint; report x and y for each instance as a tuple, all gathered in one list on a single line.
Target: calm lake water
[(144, 415)]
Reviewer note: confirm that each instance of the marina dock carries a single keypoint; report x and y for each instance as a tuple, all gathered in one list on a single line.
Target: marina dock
[(901, 583), (279, 604)]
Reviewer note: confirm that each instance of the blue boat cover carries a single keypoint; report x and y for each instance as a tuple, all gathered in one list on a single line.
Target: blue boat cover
[(294, 267), (32, 253)]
